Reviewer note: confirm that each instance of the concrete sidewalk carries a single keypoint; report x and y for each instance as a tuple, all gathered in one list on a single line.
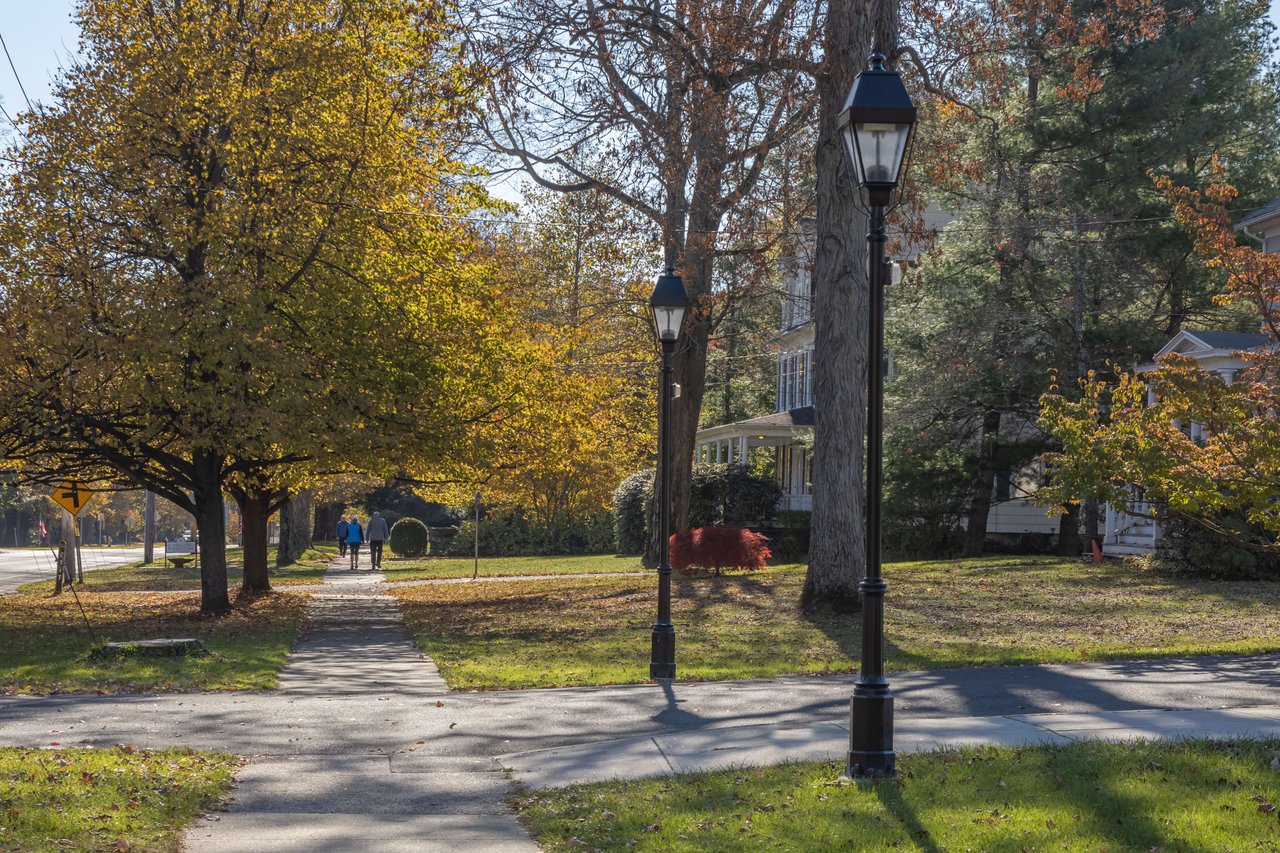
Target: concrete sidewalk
[(714, 749), (314, 793)]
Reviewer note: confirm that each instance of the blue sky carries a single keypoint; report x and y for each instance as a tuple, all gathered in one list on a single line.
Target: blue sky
[(40, 36)]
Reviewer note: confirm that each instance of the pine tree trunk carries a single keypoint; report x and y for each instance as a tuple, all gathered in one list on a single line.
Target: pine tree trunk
[(983, 486), (1092, 520), (254, 509), (1069, 532), (295, 528), (837, 550), (212, 534)]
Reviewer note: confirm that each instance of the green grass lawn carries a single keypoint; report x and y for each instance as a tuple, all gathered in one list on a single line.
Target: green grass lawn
[(404, 569), (160, 576), (1185, 796), (581, 631), (44, 645), (118, 799)]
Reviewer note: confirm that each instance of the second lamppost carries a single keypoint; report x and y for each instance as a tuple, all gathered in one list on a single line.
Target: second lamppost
[(669, 304), (876, 124)]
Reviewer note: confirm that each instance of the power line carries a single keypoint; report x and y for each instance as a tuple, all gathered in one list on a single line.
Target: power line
[(14, 69)]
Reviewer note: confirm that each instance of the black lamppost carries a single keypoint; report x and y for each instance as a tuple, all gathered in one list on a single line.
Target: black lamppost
[(669, 303), (876, 124)]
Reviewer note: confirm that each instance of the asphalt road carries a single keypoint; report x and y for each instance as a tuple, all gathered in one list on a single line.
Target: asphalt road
[(24, 565)]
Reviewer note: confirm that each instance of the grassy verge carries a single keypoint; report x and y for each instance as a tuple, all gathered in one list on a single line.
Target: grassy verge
[(45, 644), (114, 799), (560, 632), (398, 569), (160, 576), (1186, 796)]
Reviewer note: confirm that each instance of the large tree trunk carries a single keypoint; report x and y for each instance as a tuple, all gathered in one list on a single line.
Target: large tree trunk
[(149, 527), (837, 549), (295, 528), (254, 509), (212, 533), (326, 521), (983, 485)]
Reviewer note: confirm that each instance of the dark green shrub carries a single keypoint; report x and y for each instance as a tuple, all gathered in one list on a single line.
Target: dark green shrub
[(793, 519), (630, 509), (409, 538), (718, 495), (1187, 548), (926, 494)]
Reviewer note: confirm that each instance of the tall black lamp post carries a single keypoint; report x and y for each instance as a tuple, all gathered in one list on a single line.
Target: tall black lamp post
[(876, 124), (669, 303)]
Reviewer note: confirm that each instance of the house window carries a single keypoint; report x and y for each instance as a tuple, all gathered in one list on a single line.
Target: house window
[(1004, 486), (807, 396)]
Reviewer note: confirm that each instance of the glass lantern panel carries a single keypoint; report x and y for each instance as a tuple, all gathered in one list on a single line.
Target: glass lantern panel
[(881, 148), (667, 320)]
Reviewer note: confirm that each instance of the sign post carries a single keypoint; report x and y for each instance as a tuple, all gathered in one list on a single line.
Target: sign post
[(73, 496)]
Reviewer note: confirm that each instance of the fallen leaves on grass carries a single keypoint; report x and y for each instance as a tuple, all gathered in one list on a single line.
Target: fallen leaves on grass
[(46, 641)]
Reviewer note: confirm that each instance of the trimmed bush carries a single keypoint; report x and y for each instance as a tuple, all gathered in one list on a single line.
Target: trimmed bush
[(409, 538), (718, 547), (630, 507)]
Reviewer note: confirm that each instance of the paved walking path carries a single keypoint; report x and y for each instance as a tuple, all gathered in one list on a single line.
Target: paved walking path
[(326, 796), (363, 748)]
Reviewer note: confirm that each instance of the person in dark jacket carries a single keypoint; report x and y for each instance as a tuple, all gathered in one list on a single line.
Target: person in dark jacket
[(376, 533), (342, 537)]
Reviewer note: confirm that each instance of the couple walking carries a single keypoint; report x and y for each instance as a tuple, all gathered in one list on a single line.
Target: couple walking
[(351, 535)]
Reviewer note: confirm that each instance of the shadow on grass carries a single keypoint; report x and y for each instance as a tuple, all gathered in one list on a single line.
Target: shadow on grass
[(889, 793)]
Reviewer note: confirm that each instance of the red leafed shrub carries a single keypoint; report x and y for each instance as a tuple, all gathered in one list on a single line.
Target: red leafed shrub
[(718, 547)]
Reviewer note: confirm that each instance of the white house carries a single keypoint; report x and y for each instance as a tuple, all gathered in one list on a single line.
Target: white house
[(1129, 529)]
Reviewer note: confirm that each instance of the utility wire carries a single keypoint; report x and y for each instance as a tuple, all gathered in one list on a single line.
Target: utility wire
[(14, 69)]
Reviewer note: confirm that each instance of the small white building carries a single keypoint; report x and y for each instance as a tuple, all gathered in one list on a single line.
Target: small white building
[(1130, 529)]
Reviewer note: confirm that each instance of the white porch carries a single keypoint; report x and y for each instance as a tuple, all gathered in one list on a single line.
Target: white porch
[(784, 433), (1129, 529)]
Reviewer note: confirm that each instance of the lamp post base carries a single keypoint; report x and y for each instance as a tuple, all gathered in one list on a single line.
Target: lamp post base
[(871, 753), (662, 659)]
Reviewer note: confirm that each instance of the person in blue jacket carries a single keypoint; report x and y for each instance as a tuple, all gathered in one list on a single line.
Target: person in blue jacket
[(355, 535)]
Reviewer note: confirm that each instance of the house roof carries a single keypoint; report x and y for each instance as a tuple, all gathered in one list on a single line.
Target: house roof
[(1262, 214), (801, 417), (1208, 344), (1230, 340), (776, 425)]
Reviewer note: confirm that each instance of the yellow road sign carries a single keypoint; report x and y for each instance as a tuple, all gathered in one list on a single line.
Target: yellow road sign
[(72, 496)]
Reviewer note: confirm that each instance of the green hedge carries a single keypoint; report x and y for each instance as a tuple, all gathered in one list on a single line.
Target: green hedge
[(515, 534)]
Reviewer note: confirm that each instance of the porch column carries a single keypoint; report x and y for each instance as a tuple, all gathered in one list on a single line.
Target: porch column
[(743, 448), (1109, 536)]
